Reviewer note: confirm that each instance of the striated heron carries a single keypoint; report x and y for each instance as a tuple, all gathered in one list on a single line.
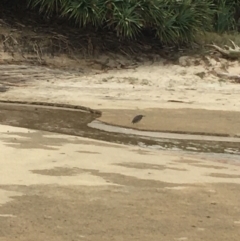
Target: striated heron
[(137, 118)]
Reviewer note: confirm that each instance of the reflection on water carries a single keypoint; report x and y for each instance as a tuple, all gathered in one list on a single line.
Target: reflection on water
[(102, 126), (176, 142), (78, 123)]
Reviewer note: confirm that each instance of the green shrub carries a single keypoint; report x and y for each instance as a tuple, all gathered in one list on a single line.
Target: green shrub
[(171, 21), (225, 16)]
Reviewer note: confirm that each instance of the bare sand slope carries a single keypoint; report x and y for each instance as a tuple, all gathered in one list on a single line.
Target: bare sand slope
[(59, 187), (155, 85)]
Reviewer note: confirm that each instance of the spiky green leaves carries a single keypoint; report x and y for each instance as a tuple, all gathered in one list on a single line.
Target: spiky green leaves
[(172, 21)]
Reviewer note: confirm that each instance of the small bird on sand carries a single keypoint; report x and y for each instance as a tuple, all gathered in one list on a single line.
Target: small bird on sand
[(137, 118)]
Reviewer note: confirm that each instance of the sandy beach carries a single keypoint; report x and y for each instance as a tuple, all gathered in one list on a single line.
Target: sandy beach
[(64, 187)]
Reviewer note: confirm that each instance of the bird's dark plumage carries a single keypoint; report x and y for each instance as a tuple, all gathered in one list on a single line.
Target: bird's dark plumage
[(137, 118)]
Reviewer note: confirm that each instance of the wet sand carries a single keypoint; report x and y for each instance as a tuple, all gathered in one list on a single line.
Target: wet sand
[(193, 121)]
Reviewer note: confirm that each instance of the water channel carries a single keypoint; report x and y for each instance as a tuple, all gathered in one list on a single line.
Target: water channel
[(84, 124)]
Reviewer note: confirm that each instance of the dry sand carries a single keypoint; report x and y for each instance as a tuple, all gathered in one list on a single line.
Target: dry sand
[(83, 153), (147, 86), (59, 187)]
